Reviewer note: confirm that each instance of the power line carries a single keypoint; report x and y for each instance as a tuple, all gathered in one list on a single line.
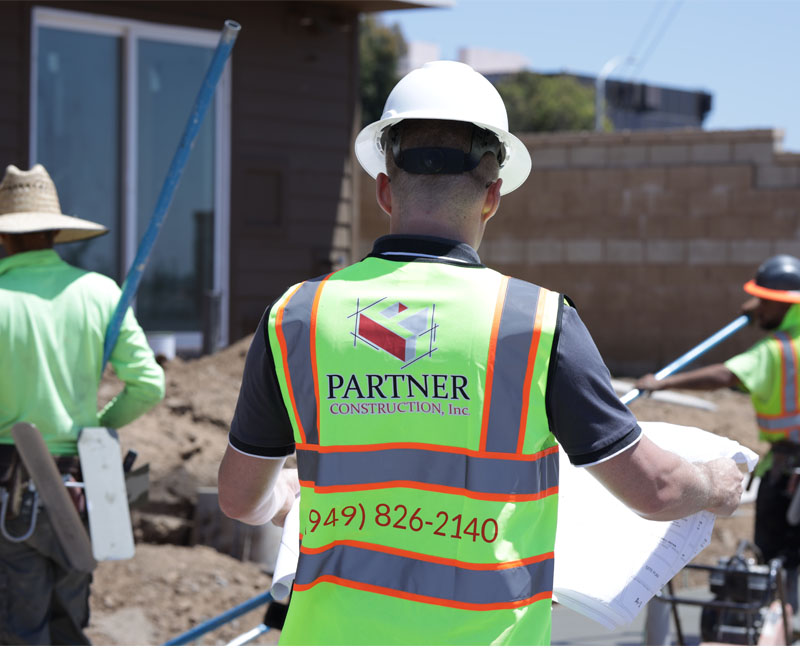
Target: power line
[(646, 28), (657, 38)]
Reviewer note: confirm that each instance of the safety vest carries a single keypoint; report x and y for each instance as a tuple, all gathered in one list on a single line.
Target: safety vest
[(779, 416), (429, 475)]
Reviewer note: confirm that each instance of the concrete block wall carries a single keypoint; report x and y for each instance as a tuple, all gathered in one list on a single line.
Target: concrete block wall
[(652, 234)]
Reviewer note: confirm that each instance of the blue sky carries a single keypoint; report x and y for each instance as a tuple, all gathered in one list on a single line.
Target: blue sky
[(745, 53)]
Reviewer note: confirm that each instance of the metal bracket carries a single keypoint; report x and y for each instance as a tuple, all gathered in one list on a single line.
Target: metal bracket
[(4, 495)]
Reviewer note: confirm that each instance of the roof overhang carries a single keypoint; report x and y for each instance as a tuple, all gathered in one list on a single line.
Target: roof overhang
[(372, 6)]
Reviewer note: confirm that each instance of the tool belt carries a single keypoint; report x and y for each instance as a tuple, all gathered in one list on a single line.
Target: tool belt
[(785, 458), (9, 458), (14, 477), (11, 464), (69, 465)]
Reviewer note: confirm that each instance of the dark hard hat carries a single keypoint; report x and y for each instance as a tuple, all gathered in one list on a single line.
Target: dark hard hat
[(778, 278)]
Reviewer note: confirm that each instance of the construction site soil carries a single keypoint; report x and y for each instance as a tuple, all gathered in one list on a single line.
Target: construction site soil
[(171, 586)]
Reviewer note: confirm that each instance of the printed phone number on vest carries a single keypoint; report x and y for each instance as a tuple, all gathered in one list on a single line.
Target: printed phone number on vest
[(443, 524)]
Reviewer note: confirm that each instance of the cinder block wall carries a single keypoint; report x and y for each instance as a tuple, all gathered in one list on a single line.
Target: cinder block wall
[(652, 234)]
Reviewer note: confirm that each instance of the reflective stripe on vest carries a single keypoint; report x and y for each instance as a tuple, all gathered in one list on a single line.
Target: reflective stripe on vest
[(437, 469), (786, 423), (297, 336), (428, 473), (437, 581)]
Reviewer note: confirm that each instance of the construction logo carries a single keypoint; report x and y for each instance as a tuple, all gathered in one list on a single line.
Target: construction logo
[(405, 333)]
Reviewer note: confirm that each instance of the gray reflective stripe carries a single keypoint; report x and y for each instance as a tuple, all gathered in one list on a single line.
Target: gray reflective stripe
[(510, 364), (435, 468), (789, 372), (427, 579), (779, 424), (295, 326)]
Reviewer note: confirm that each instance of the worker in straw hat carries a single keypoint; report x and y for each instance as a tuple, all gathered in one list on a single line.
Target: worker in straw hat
[(770, 372), (426, 394), (53, 317)]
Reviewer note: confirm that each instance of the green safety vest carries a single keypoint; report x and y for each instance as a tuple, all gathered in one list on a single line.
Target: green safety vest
[(429, 475), (778, 416)]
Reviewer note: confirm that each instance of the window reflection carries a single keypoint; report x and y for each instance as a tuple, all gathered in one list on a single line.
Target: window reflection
[(180, 269), (78, 136), (79, 139)]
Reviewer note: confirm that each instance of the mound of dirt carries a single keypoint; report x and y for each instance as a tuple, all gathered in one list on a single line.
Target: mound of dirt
[(169, 587)]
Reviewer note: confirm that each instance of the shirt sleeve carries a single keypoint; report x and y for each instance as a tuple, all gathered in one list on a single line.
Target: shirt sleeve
[(261, 425), (755, 368), (587, 418), (135, 364)]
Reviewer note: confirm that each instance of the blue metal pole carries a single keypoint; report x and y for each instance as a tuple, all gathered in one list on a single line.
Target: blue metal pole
[(227, 39), (244, 639), (218, 621), (692, 354)]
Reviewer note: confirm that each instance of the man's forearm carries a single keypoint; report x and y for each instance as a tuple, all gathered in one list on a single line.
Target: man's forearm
[(247, 487), (660, 485), (707, 378)]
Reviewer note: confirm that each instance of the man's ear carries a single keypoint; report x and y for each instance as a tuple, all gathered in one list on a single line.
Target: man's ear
[(383, 191), (492, 201)]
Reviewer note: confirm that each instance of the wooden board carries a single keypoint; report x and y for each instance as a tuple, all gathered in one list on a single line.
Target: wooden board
[(106, 496), (66, 521)]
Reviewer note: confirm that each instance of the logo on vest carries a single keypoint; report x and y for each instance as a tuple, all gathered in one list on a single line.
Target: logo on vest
[(407, 334), (391, 326)]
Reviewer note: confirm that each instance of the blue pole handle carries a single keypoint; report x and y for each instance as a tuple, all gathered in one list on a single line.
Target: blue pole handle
[(227, 39), (692, 354), (218, 621)]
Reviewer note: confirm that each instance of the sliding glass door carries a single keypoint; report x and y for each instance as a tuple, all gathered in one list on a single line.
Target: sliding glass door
[(111, 99)]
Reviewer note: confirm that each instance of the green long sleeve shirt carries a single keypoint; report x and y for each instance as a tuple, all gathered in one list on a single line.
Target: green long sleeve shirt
[(53, 319)]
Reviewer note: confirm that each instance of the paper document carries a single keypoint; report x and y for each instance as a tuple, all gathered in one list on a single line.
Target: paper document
[(609, 561), (288, 554)]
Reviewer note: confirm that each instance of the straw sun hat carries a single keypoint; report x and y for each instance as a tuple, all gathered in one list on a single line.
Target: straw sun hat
[(29, 203)]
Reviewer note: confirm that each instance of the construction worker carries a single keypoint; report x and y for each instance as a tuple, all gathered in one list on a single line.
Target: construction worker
[(53, 318), (769, 372), (424, 394)]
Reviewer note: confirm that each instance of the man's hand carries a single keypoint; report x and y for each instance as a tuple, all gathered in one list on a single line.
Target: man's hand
[(725, 480), (648, 383)]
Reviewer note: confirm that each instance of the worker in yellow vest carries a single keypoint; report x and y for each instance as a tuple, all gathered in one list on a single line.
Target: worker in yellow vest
[(426, 396), (769, 371)]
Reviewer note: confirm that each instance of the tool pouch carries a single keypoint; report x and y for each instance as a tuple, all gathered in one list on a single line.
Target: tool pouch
[(12, 477), (785, 458)]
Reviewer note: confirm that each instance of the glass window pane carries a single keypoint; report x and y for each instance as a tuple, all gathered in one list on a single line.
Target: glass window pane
[(78, 135), (180, 269)]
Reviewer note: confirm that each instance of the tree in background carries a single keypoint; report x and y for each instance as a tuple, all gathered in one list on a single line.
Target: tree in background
[(547, 103), (380, 49)]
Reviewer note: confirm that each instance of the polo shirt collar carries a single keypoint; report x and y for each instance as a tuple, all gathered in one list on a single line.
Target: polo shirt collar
[(424, 248), (45, 257)]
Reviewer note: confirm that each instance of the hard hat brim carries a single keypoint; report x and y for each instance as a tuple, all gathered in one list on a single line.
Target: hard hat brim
[(515, 169), (777, 295)]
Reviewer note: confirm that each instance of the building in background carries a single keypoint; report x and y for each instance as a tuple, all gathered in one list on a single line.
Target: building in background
[(493, 62), (418, 53), (100, 92), (630, 105), (640, 106)]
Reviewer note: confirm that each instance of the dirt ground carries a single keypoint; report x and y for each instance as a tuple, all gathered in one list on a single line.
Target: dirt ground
[(170, 586)]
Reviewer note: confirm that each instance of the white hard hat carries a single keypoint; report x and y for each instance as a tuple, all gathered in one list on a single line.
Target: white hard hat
[(446, 90)]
